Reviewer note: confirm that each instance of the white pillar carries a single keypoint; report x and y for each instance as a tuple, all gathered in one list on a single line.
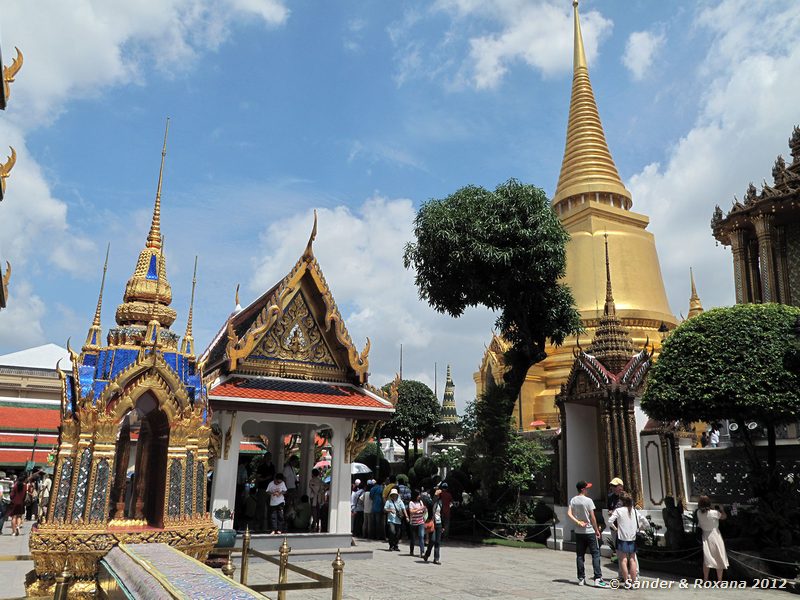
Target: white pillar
[(339, 521), (223, 487), (307, 454)]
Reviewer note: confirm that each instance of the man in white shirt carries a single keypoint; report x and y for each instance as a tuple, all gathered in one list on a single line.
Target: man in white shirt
[(587, 533), (276, 491), (713, 436)]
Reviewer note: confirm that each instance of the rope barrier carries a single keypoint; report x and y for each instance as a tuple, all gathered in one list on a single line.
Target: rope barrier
[(771, 560), (750, 568)]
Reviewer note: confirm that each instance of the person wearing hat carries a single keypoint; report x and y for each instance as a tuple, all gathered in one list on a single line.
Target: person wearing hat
[(587, 534), (395, 512), (616, 488)]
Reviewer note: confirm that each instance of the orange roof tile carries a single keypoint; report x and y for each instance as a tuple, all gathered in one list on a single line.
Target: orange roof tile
[(29, 419)]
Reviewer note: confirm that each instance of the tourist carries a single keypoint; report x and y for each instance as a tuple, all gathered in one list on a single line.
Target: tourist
[(405, 496), (435, 536), (616, 487), (390, 483), (395, 513), (447, 501), (587, 534), (714, 555), (277, 502), (376, 495), (626, 522), (17, 505), (366, 529), (704, 439), (416, 513), (316, 494), (302, 514), (45, 487), (5, 505), (713, 435), (357, 509), (250, 511), (290, 479), (265, 473), (32, 495)]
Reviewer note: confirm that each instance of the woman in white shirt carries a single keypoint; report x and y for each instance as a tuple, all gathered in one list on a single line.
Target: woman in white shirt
[(626, 521), (714, 555)]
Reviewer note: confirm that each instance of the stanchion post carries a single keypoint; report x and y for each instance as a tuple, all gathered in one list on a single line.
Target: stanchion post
[(283, 572), (229, 568), (473, 528), (245, 555), (338, 576), (62, 584)]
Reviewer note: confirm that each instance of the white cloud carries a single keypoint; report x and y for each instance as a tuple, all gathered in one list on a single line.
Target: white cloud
[(640, 50), (21, 320), (744, 120), (498, 34), (360, 251)]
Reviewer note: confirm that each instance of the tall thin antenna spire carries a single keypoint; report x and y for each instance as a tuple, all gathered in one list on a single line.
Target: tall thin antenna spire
[(96, 330), (435, 380), (187, 346), (154, 237)]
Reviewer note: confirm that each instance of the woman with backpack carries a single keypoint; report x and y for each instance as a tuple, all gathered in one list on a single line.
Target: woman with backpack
[(626, 522)]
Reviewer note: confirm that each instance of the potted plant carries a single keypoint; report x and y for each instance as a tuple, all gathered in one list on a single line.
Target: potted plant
[(226, 537)]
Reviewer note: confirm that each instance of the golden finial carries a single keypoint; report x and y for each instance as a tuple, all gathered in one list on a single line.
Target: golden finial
[(309, 252), (237, 305), (7, 277), (5, 170), (695, 306), (154, 237), (609, 309), (10, 72), (187, 346), (588, 169), (95, 330)]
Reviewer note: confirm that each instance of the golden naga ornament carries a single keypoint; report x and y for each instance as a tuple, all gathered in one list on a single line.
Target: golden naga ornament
[(5, 169), (10, 73)]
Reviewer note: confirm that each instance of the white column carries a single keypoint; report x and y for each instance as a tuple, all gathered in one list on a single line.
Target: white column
[(339, 521), (307, 454), (223, 487)]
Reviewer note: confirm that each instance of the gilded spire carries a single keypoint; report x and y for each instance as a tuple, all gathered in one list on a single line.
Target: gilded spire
[(148, 293), (187, 345), (95, 330), (695, 307), (612, 344), (154, 237), (588, 170)]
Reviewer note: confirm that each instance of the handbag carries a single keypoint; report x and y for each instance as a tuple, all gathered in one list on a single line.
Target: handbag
[(429, 526)]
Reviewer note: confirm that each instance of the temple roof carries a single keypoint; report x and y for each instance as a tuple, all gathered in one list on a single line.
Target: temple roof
[(781, 200), (588, 166), (40, 357), (264, 393), (449, 412), (293, 330)]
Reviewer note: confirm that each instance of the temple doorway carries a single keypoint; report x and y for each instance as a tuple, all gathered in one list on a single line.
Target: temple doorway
[(141, 463)]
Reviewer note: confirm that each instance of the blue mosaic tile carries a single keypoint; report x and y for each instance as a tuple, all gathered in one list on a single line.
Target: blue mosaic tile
[(123, 358)]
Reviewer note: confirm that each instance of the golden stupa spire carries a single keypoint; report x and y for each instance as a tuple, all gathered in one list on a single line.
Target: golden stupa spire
[(148, 293), (154, 237), (588, 171), (187, 345), (95, 330), (695, 307), (610, 308)]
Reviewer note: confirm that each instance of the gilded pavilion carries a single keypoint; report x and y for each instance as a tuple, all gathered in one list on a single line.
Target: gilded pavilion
[(763, 232), (591, 202), (132, 458)]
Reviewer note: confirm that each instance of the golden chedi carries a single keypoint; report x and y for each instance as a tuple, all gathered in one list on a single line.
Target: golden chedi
[(592, 202)]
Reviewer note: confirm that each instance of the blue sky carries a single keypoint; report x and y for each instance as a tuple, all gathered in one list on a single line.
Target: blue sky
[(363, 111)]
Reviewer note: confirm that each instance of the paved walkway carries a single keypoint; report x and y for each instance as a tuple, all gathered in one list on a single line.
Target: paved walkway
[(467, 572)]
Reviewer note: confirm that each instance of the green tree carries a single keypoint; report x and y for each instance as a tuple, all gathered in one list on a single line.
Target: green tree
[(502, 249), (732, 363), (415, 415)]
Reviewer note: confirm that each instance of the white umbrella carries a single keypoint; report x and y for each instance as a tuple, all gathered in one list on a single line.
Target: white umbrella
[(359, 469)]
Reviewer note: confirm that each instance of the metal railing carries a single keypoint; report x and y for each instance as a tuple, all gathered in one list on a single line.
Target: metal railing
[(320, 582)]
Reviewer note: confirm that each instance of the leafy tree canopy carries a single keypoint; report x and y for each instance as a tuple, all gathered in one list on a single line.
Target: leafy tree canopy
[(416, 414), (503, 249), (728, 363)]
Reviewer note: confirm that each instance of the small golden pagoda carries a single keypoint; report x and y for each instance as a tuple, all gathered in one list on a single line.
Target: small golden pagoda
[(132, 457), (592, 202)]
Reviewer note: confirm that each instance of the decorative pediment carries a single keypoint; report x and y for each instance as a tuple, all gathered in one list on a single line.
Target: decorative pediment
[(295, 330)]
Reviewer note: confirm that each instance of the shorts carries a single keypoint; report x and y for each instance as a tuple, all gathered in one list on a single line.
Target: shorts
[(626, 547)]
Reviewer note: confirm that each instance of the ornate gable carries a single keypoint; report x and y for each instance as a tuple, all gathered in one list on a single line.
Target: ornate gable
[(295, 330)]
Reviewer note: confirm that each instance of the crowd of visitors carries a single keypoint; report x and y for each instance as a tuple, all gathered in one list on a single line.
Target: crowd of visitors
[(27, 498)]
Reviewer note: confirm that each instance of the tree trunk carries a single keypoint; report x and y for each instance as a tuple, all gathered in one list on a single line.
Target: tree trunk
[(415, 453), (772, 450)]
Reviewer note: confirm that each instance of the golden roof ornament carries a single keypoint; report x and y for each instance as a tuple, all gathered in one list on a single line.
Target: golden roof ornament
[(587, 170), (695, 307), (187, 345), (5, 170), (94, 337), (10, 73), (148, 293)]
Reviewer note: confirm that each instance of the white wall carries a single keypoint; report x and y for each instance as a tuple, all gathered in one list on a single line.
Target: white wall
[(583, 451)]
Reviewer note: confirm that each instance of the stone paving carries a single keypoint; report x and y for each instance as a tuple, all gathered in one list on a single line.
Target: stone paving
[(467, 572)]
